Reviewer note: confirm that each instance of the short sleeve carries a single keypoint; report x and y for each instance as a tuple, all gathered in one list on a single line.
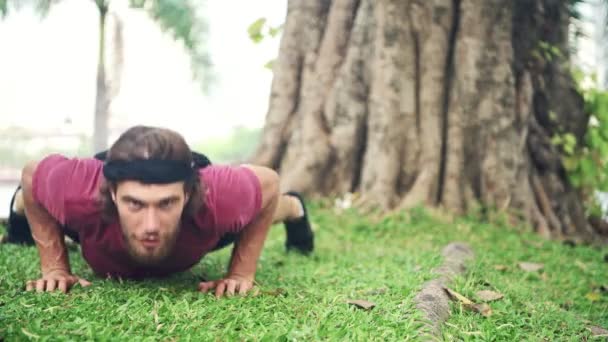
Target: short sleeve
[(233, 197), (59, 181)]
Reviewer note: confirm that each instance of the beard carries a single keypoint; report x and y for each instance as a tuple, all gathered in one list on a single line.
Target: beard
[(153, 257)]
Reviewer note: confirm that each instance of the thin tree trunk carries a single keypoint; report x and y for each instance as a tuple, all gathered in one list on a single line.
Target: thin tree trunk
[(102, 102), (439, 102)]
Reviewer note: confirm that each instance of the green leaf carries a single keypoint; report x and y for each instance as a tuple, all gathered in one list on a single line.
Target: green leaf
[(594, 140), (569, 143), (588, 168), (570, 163), (270, 64), (556, 140), (255, 30), (575, 179), (183, 20), (274, 31)]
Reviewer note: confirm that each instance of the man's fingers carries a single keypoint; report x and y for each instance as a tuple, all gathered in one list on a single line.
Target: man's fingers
[(206, 286), (63, 285), (29, 286), (51, 285), (220, 288), (244, 288), (40, 285), (230, 287), (84, 282)]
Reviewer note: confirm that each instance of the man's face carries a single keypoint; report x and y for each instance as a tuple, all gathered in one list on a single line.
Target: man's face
[(150, 217)]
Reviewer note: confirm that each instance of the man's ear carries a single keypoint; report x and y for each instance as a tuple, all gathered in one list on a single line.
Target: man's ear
[(113, 194)]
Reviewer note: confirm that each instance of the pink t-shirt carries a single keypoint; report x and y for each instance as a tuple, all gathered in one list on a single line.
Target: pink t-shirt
[(69, 190)]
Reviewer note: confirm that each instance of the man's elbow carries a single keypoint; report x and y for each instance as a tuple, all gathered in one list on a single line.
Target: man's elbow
[(27, 176), (269, 182)]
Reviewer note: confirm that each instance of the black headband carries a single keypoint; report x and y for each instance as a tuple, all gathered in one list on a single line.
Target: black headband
[(149, 171)]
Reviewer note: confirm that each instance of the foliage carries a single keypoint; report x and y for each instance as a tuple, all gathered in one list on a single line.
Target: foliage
[(385, 260), (3, 8), (261, 29), (237, 147), (586, 162), (183, 19)]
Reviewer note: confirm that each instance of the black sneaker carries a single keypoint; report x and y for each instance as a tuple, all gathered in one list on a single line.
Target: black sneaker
[(18, 229), (299, 233)]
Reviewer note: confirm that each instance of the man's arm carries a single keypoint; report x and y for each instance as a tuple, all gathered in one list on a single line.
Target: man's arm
[(248, 247), (54, 262)]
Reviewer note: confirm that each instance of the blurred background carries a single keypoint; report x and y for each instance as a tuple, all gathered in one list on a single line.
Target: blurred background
[(49, 74), (48, 80)]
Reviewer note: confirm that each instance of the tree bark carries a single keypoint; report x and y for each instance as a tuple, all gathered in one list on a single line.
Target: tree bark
[(439, 102)]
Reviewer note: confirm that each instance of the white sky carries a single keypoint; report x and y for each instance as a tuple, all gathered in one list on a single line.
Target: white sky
[(48, 69)]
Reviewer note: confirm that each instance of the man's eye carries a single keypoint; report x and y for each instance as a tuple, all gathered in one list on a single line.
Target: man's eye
[(166, 204), (134, 205)]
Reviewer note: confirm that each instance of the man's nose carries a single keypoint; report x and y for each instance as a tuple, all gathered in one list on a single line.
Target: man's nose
[(151, 222)]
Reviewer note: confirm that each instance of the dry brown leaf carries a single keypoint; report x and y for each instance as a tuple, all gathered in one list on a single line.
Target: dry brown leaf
[(483, 308), (531, 266), (457, 296), (501, 267), (598, 331), (362, 304), (275, 293), (488, 296), (375, 292)]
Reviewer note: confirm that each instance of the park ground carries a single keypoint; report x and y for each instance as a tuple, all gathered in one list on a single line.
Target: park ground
[(383, 260)]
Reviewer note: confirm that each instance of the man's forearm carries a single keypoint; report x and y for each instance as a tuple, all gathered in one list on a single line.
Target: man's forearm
[(249, 246), (45, 231)]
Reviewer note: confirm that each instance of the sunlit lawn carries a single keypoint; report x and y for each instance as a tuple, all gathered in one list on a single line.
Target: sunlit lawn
[(384, 261)]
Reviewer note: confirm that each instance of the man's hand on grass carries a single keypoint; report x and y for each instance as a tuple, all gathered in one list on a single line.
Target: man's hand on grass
[(56, 280), (227, 286)]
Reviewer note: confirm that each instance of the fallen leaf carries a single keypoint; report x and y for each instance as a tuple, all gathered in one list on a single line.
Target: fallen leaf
[(360, 303), (275, 293), (531, 266), (457, 296), (593, 296), (567, 305), (536, 244), (598, 331), (501, 267), (375, 292), (488, 296), (483, 308), (581, 265), (603, 289), (544, 277)]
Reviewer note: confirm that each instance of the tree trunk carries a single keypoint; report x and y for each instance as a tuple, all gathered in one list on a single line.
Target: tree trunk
[(102, 101), (442, 102)]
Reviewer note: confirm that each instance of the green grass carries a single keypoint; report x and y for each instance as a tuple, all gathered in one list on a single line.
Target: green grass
[(305, 298)]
